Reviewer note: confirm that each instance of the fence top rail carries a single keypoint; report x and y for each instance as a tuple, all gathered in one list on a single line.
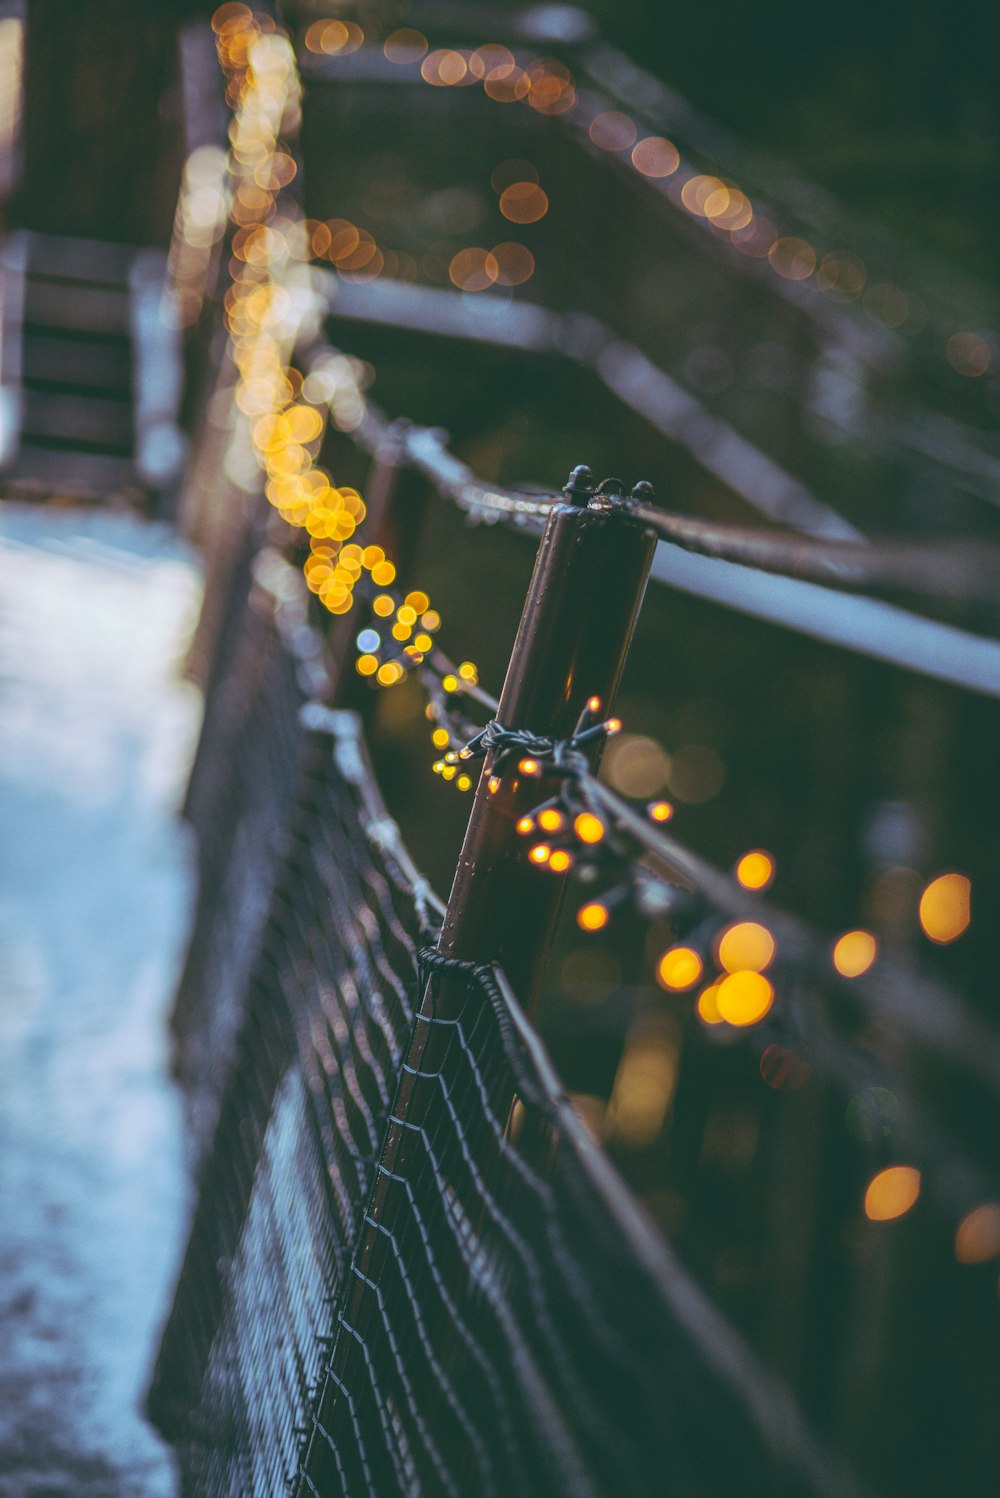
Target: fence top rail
[(729, 565), (951, 572)]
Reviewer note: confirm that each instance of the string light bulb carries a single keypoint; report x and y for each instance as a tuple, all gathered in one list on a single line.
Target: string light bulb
[(891, 1193), (755, 869), (679, 968), (593, 916)]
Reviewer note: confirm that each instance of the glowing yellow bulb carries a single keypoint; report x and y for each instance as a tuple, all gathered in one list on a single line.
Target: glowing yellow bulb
[(745, 946), (593, 706), (592, 917), (550, 819), (383, 606), (468, 672), (892, 1193), (661, 811), (525, 825), (383, 573), (854, 953), (422, 642), (978, 1237), (388, 674), (418, 602), (540, 853), (744, 997), (613, 725), (464, 783), (431, 620), (401, 631), (438, 766), (440, 738), (679, 968), (560, 861), (529, 767), (493, 784), (450, 683), (944, 907), (371, 556), (708, 1005), (406, 615), (367, 665), (588, 828), (449, 772), (755, 870)]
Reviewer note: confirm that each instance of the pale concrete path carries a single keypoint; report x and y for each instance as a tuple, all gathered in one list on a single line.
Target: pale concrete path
[(95, 730)]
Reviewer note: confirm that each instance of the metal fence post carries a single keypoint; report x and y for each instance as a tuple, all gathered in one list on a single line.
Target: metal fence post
[(572, 643)]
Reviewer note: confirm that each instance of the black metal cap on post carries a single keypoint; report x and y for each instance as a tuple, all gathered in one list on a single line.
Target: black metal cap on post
[(579, 487), (572, 642)]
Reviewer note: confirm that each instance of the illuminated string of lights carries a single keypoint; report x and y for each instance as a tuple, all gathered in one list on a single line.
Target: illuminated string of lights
[(264, 316), (740, 995), (577, 830), (586, 830)]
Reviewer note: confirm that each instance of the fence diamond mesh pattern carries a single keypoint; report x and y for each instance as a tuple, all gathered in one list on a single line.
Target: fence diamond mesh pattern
[(327, 1018)]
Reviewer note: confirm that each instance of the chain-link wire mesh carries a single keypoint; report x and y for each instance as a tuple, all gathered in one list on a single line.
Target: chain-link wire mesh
[(511, 1323), (326, 1024), (240, 798)]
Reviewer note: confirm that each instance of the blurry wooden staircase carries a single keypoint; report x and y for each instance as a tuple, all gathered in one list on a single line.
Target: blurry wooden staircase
[(89, 371)]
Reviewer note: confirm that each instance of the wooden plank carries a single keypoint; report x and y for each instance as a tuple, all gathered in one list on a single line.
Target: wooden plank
[(71, 259), (50, 359), (83, 309), (60, 471), (78, 418)]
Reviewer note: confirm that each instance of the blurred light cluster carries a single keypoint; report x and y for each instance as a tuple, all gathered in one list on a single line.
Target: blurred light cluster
[(399, 636), (334, 38), (266, 307), (547, 86)]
